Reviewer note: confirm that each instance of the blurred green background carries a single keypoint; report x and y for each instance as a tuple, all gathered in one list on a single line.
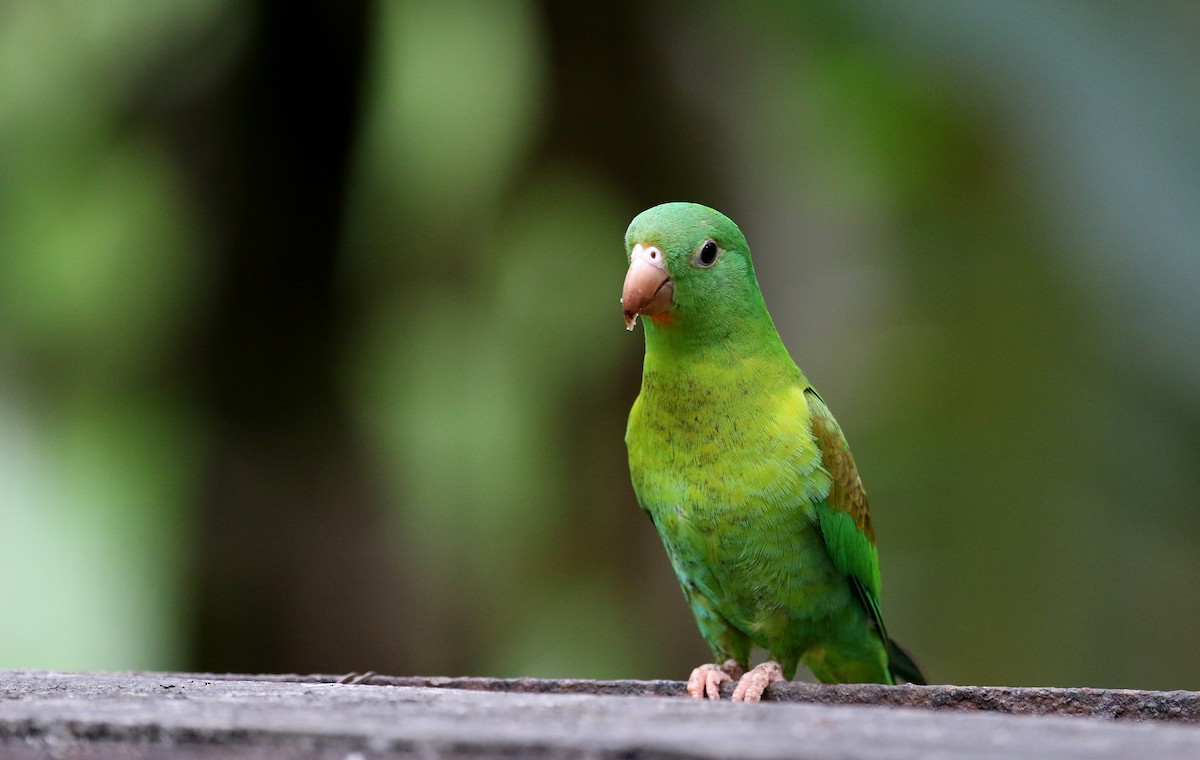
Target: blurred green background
[(311, 357)]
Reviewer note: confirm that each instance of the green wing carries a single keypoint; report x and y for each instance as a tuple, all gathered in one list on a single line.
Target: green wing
[(845, 518), (846, 526)]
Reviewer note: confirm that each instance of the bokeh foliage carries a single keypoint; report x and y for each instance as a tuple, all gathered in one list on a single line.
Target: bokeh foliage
[(311, 357)]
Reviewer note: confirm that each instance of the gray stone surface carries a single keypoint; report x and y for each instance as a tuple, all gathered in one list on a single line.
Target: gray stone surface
[(166, 715), (1118, 704)]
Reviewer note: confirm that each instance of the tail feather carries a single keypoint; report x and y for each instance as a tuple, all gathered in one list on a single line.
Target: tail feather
[(902, 666)]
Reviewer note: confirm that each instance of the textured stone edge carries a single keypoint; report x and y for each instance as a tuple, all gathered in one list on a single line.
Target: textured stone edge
[(1111, 704), (197, 716)]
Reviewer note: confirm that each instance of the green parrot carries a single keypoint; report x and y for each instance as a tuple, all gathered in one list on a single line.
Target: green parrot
[(744, 471)]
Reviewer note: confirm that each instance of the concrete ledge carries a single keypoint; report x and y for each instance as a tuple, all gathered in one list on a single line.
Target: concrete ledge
[(145, 715), (1117, 704)]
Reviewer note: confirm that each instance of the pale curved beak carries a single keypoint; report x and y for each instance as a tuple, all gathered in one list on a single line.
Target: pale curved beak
[(648, 288)]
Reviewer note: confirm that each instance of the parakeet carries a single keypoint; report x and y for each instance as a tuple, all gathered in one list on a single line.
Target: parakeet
[(744, 471)]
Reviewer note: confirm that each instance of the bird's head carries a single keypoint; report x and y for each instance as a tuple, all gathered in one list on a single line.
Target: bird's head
[(689, 266)]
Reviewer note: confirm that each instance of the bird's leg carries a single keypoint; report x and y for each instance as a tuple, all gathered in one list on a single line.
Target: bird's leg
[(752, 685), (707, 679)]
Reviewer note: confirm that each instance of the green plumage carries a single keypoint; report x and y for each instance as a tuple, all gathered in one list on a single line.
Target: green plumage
[(746, 474)]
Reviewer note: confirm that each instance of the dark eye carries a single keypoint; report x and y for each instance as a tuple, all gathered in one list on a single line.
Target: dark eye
[(707, 254)]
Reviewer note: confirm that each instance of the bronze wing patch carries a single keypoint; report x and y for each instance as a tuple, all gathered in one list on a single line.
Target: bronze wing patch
[(846, 493)]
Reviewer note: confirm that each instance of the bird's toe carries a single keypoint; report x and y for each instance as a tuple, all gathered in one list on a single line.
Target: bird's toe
[(751, 686), (706, 680)]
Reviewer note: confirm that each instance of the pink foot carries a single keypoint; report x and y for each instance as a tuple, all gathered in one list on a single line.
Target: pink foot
[(752, 685), (707, 679)]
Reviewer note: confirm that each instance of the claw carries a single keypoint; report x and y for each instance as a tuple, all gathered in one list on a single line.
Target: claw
[(706, 680), (751, 686)]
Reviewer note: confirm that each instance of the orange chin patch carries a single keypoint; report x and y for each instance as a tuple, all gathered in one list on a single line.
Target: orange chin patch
[(663, 319)]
